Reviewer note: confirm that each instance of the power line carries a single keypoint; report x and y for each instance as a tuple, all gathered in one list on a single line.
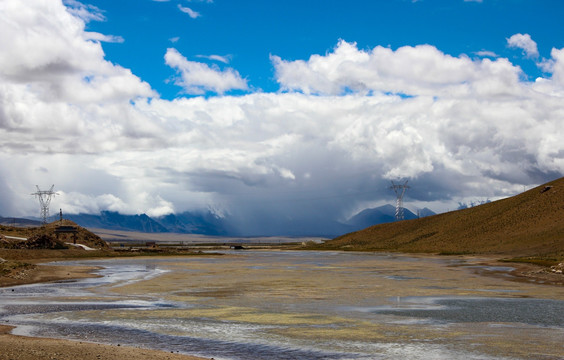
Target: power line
[(400, 190), (44, 197)]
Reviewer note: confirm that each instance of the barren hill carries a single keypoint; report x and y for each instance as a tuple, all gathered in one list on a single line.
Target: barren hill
[(528, 224), (46, 236)]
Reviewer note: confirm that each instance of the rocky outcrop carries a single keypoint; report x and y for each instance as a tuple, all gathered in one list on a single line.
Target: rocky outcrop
[(557, 269)]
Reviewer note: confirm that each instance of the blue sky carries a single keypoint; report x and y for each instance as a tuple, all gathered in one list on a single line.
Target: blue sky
[(266, 110), (247, 32)]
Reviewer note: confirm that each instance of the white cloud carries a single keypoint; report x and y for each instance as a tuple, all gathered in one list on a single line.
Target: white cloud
[(55, 85), (419, 70), (46, 54), (85, 12), (101, 37), (79, 203), (557, 66), (223, 59), (198, 78), (486, 53), (330, 142), (193, 14), (525, 43)]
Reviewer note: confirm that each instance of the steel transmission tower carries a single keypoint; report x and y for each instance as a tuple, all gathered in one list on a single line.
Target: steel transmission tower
[(400, 190), (44, 197)]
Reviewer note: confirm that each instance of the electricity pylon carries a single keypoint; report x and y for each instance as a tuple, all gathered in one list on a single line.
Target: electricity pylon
[(400, 190), (44, 197)]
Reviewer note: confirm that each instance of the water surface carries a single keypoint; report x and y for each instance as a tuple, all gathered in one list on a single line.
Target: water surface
[(299, 305)]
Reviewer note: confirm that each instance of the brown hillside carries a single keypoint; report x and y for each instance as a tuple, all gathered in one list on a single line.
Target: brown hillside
[(529, 224), (44, 237)]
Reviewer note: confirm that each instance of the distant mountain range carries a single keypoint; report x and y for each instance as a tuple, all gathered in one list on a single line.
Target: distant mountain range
[(116, 221), (19, 222), (207, 223), (383, 214), (204, 223)]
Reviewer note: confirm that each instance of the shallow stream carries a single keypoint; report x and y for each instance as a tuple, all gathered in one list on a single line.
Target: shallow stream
[(299, 305)]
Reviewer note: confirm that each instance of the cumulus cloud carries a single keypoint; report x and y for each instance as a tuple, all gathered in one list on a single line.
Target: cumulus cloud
[(79, 203), (56, 87), (344, 124), (46, 50), (198, 78), (556, 66), (419, 70), (525, 43)]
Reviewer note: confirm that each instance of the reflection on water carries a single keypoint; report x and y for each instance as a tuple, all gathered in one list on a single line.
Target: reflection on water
[(499, 310), (297, 305), (541, 312)]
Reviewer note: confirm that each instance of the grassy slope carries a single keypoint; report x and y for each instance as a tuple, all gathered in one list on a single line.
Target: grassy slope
[(529, 224)]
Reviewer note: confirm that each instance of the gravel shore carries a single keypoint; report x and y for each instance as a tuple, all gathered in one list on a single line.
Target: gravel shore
[(28, 348), (32, 348)]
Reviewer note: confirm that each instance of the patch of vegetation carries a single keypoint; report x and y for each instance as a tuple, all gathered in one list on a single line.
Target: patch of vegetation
[(16, 231), (7, 267), (453, 253), (547, 262), (424, 236), (39, 255)]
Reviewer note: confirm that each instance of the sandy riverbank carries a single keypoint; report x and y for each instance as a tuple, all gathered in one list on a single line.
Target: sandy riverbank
[(27, 348), (32, 348), (45, 273)]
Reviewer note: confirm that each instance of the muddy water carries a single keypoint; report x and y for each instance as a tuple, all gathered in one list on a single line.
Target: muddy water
[(301, 305)]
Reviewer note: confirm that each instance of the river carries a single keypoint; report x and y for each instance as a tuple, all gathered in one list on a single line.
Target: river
[(299, 305)]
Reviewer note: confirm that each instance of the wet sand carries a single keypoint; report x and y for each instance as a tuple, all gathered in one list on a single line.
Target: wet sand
[(28, 348), (46, 273), (32, 348)]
